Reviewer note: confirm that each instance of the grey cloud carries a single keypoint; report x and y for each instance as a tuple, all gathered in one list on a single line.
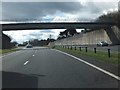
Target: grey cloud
[(92, 10), (119, 5), (46, 31), (98, 7), (33, 10), (32, 36), (36, 34), (92, 7)]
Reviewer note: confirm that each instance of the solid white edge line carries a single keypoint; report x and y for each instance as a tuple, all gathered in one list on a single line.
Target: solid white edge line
[(102, 70), (26, 62)]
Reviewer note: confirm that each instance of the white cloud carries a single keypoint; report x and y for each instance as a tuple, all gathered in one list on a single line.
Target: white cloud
[(25, 35), (20, 36)]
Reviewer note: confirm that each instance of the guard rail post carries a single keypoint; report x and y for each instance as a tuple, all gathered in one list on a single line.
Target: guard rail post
[(86, 49), (95, 50), (75, 47), (109, 53)]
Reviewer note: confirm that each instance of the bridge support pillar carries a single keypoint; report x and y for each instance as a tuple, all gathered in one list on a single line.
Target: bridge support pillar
[(112, 36)]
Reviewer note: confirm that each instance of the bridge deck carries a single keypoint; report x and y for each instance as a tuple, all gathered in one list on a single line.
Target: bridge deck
[(55, 25)]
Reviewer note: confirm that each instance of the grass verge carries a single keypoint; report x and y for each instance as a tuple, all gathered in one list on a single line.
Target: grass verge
[(4, 51), (100, 55)]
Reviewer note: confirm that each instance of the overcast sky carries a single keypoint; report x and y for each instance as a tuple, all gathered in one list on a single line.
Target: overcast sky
[(51, 11)]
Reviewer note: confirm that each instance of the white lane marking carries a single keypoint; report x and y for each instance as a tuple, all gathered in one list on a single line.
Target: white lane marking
[(33, 55), (102, 70), (26, 62)]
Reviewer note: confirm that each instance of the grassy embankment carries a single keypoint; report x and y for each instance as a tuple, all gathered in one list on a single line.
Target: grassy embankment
[(99, 55)]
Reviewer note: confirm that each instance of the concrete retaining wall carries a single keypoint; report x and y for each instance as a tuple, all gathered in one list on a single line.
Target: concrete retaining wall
[(92, 37)]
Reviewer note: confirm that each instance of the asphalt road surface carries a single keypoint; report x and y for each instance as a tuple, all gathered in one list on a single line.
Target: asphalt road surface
[(48, 68)]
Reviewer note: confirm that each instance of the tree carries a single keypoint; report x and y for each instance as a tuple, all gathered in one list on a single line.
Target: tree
[(37, 42), (25, 43), (6, 41), (110, 17), (67, 33), (13, 44)]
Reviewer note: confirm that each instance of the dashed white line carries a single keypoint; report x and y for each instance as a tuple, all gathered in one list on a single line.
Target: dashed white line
[(100, 69), (36, 51), (26, 62)]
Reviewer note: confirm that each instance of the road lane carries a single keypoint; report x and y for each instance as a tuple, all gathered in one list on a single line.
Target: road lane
[(12, 61), (52, 69)]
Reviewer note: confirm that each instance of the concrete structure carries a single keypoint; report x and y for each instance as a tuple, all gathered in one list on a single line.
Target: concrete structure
[(103, 31), (4, 41), (0, 40), (110, 35)]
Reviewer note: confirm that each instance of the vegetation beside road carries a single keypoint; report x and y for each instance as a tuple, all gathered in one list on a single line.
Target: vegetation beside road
[(99, 55), (4, 51)]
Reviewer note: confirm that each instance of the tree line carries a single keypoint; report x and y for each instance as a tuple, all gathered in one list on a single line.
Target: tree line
[(37, 42), (6, 42), (110, 17)]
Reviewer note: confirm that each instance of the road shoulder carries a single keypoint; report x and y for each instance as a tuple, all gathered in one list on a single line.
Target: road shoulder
[(106, 66)]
